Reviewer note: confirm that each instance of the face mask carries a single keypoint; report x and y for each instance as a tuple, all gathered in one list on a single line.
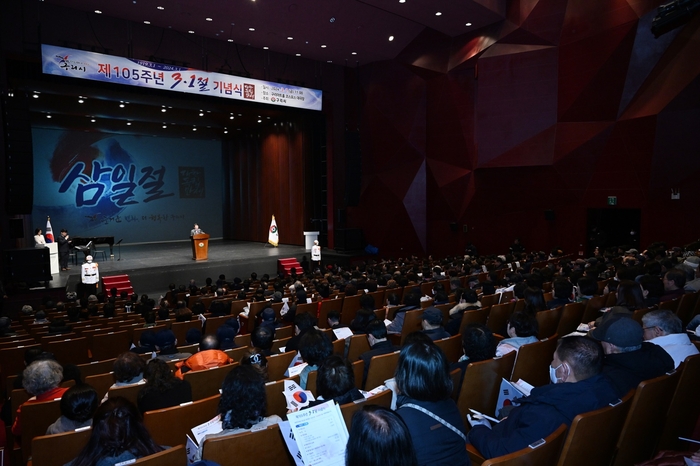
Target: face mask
[(553, 373)]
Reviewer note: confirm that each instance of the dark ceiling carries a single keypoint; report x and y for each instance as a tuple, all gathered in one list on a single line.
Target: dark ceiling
[(344, 32), (324, 30)]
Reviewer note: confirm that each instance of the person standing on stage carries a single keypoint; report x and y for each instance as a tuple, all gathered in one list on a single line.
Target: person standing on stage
[(39, 241), (90, 276), (63, 249), (196, 230), (316, 254)]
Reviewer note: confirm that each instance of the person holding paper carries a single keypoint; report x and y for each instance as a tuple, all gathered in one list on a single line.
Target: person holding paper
[(424, 403), (314, 348), (578, 386), (242, 405)]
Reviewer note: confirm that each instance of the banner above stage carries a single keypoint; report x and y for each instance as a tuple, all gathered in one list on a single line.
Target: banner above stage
[(80, 64)]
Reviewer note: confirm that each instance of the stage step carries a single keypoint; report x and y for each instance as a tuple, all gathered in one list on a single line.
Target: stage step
[(285, 266), (120, 282)]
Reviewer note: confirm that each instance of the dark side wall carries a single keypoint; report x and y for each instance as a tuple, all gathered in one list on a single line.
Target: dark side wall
[(560, 106)]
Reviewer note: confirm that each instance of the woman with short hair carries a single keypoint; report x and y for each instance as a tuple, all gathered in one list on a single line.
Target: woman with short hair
[(41, 379), (162, 389), (433, 419)]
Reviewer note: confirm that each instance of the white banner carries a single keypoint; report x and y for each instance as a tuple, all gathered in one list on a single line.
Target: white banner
[(73, 63)]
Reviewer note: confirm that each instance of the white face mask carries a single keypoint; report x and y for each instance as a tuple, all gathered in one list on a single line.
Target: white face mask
[(553, 373)]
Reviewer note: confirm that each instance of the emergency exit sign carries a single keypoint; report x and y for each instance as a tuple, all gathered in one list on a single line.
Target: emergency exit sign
[(612, 200)]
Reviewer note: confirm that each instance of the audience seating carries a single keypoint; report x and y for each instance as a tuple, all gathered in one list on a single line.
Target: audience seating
[(645, 420), (533, 361), (452, 347), (380, 399), (358, 345), (137, 331), (358, 370), (96, 367), (171, 456), (58, 449), (498, 316), (100, 382), (180, 329), (279, 343), (206, 383), (327, 306), (593, 307), (109, 345), (70, 351), (242, 340), (476, 316), (36, 418), (130, 392), (381, 368), (213, 323), (684, 410), (686, 306), (544, 454), (350, 306), (482, 381), (277, 365), (339, 347), (276, 402), (412, 322), (169, 426), (571, 316), (237, 353), (592, 436), (548, 321), (265, 446), (284, 332)]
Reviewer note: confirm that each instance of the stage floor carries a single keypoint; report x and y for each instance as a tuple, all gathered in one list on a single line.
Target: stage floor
[(151, 267)]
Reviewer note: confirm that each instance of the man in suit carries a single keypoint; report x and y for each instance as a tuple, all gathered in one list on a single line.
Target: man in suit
[(378, 343), (63, 249)]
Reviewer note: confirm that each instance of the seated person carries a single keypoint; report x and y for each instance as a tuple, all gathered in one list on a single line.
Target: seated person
[(193, 336), (628, 358), (227, 334), (521, 329), (162, 389), (432, 324), (379, 437), (365, 314), (561, 292), (378, 343), (467, 300), (41, 379), (411, 301), (336, 381), (208, 357), (424, 388), (40, 318), (166, 344), (243, 404), (6, 327), (78, 405), (302, 324), (268, 318), (253, 357), (578, 386), (664, 328), (58, 326), (478, 344), (128, 370), (262, 339), (118, 436), (314, 348)]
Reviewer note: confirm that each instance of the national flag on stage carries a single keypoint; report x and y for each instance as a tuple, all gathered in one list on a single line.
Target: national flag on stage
[(274, 236), (49, 232)]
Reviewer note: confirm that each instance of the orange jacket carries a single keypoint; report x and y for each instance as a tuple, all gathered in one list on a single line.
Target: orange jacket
[(203, 360)]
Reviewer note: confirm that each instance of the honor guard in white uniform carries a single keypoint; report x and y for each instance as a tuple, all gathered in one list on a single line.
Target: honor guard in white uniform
[(316, 254), (90, 276)]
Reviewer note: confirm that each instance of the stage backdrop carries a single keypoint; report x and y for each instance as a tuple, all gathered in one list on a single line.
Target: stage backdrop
[(139, 188)]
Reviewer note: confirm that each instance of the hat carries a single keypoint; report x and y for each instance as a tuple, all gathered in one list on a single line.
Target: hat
[(88, 258), (165, 338), (225, 334), (432, 315), (619, 330), (234, 324), (268, 314), (632, 251), (692, 261), (92, 298)]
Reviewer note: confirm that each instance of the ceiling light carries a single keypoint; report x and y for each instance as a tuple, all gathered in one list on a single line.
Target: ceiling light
[(128, 123), (208, 19), (163, 110), (80, 101), (165, 126), (290, 38), (93, 120), (230, 40), (146, 22), (354, 53), (266, 48), (251, 29), (298, 55), (36, 96), (329, 61), (194, 129), (402, 1), (201, 114), (121, 105), (99, 12), (231, 117), (391, 38), (226, 131), (259, 121), (48, 116), (438, 13), (468, 24), (323, 46), (160, 8), (191, 32)]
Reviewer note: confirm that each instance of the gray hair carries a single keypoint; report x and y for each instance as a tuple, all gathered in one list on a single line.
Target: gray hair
[(41, 376), (664, 319), (628, 349)]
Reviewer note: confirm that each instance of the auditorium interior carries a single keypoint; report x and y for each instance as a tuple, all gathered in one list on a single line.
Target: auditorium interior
[(441, 126)]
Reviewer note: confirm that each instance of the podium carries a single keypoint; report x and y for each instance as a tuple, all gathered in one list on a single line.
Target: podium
[(200, 247)]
